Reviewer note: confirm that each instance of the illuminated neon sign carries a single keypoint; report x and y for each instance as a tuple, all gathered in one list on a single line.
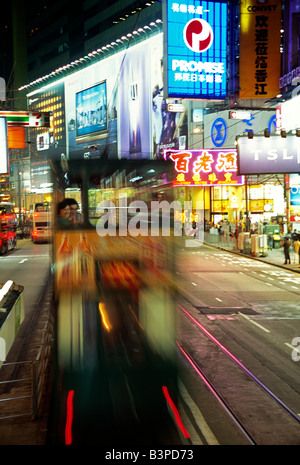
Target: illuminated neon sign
[(204, 167), (196, 49)]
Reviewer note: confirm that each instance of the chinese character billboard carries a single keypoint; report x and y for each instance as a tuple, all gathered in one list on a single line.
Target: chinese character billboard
[(196, 49), (204, 167), (260, 59)]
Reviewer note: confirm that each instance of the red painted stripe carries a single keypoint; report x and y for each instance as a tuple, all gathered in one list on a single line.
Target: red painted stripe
[(17, 123)]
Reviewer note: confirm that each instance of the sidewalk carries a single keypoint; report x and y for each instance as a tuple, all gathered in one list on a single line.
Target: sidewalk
[(273, 256)]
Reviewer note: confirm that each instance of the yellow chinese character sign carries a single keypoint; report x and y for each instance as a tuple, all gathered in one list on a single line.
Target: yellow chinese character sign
[(260, 58), (204, 167)]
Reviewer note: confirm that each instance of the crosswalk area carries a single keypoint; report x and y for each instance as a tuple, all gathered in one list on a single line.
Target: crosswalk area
[(267, 270), (240, 261)]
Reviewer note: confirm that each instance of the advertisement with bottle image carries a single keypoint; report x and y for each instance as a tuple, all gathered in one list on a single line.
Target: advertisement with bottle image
[(86, 261)]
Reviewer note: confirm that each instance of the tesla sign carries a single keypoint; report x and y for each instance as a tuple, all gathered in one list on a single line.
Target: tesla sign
[(196, 49), (268, 155)]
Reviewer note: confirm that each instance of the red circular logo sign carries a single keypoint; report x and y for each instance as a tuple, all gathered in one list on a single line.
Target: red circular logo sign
[(198, 35)]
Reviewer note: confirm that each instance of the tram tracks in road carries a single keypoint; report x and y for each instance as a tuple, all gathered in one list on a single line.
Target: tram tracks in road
[(260, 415), (217, 395)]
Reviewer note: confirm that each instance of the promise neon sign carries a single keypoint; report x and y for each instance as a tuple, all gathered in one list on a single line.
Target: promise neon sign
[(196, 49)]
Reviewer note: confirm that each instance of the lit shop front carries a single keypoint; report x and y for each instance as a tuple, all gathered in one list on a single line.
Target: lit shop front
[(278, 157), (211, 176), (264, 203), (206, 176)]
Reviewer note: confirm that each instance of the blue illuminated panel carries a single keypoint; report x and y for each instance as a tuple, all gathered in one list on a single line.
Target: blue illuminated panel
[(197, 49)]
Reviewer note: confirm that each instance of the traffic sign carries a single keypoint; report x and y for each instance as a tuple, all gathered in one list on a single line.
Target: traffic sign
[(176, 107), (239, 114)]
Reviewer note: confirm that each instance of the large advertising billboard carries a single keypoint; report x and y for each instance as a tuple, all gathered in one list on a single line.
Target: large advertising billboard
[(135, 102), (114, 108), (196, 49), (91, 109), (146, 125), (260, 58), (268, 155), (91, 114)]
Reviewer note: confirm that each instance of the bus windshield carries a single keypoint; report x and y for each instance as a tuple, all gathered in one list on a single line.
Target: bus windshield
[(42, 207)]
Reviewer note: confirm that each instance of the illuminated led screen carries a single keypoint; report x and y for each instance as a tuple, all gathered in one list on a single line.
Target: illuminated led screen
[(91, 110), (196, 49)]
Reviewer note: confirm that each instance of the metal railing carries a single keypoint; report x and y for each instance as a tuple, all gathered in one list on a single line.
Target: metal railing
[(41, 365), (22, 384), (225, 241), (16, 391)]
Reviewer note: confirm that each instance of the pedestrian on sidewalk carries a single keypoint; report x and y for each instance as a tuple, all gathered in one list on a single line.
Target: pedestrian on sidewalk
[(294, 235), (286, 249), (296, 247)]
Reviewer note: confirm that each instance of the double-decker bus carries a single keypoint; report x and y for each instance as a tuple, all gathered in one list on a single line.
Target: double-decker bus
[(8, 227), (40, 222)]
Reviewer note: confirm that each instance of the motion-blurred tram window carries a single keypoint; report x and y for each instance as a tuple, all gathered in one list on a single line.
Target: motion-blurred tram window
[(108, 200), (98, 195), (73, 192)]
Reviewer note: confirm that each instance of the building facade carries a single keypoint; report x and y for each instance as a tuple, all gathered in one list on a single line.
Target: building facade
[(100, 70)]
